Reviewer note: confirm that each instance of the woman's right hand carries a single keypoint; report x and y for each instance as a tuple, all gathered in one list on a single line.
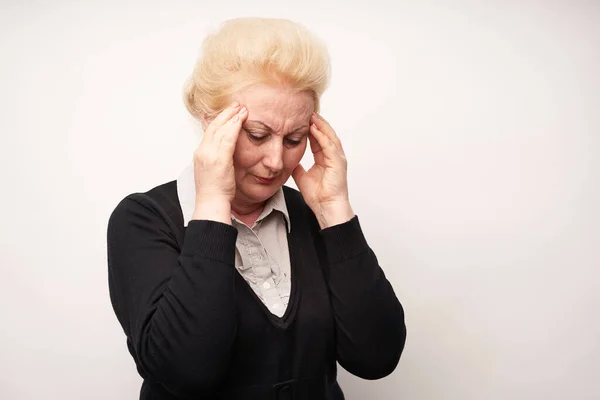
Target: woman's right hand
[(213, 165)]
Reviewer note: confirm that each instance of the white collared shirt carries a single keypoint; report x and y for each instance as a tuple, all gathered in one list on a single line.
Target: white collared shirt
[(261, 251)]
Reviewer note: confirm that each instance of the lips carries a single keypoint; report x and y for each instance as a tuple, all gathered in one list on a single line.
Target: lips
[(264, 181)]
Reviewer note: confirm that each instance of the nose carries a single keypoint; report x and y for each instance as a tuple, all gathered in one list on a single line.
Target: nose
[(273, 158)]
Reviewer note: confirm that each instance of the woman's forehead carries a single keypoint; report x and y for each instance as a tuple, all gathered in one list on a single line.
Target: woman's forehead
[(265, 97)]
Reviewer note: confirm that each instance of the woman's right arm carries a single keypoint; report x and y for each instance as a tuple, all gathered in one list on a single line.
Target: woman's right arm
[(176, 306)]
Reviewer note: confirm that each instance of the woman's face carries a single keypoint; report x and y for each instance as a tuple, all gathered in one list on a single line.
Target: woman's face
[(272, 140)]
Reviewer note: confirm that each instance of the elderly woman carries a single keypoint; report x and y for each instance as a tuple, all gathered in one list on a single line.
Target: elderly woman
[(230, 285)]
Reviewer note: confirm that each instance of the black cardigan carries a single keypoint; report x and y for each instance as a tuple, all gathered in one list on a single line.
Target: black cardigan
[(196, 330)]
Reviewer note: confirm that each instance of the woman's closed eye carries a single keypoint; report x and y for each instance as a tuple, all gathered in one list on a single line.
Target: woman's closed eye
[(256, 137), (292, 142), (288, 141)]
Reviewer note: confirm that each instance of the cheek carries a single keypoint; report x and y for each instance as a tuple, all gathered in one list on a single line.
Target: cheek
[(293, 156), (245, 156)]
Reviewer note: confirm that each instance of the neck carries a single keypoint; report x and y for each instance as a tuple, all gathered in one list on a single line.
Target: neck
[(241, 208)]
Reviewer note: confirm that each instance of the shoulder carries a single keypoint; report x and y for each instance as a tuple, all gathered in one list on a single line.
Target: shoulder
[(159, 202)]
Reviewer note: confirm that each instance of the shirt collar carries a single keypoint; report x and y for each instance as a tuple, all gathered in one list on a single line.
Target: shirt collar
[(186, 191)]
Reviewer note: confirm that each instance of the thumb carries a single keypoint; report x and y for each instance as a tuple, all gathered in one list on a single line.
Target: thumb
[(298, 173)]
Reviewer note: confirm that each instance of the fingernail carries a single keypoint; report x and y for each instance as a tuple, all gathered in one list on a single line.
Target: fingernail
[(243, 110), (236, 118)]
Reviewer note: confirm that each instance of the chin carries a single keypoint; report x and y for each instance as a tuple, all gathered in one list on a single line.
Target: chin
[(260, 193)]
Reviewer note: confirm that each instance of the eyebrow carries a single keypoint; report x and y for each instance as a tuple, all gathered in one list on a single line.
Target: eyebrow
[(267, 127)]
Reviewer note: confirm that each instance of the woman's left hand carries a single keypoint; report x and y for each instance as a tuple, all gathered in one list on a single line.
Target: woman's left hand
[(325, 185)]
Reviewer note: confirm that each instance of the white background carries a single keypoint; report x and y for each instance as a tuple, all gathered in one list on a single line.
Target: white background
[(472, 131)]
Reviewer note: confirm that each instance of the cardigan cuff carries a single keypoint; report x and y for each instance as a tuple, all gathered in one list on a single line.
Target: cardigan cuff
[(210, 239), (344, 241)]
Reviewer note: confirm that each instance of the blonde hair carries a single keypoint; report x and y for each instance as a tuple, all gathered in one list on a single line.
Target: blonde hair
[(248, 51)]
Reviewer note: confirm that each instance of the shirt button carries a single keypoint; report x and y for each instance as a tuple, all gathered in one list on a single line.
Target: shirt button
[(266, 285)]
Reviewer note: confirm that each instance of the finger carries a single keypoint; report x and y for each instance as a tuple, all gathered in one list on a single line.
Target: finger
[(316, 149), (229, 132), (325, 143), (329, 155), (222, 118), (298, 173), (326, 128)]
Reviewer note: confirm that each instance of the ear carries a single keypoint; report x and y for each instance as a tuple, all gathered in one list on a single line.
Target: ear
[(205, 121)]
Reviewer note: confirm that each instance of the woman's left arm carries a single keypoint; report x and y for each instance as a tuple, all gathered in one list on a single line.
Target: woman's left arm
[(370, 328)]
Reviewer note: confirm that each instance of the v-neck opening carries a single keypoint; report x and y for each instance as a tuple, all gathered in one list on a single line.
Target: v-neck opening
[(288, 316)]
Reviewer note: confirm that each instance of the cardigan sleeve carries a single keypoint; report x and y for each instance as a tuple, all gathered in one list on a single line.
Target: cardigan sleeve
[(176, 305), (369, 319)]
